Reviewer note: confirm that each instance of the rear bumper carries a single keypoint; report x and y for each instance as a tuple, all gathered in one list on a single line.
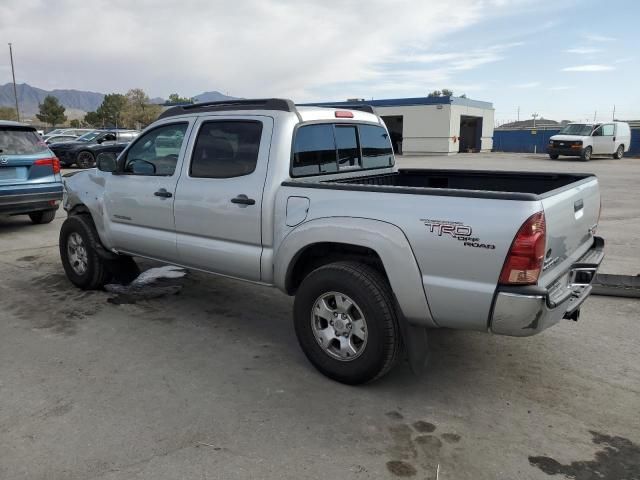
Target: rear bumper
[(525, 311), (30, 199), (571, 152)]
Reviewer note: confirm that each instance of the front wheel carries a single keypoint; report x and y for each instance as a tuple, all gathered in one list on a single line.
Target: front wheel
[(85, 160), (619, 152), (346, 322), (586, 154), (80, 259), (553, 156)]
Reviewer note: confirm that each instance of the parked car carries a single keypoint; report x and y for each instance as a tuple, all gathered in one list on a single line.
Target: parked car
[(586, 139), (30, 182), (308, 199), (61, 138), (84, 149)]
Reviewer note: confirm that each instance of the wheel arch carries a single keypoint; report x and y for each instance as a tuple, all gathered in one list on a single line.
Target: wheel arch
[(377, 243)]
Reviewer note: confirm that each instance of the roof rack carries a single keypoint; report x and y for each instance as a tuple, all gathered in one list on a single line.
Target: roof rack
[(344, 106), (283, 105)]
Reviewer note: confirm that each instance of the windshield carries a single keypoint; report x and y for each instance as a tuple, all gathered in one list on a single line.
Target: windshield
[(87, 137), (20, 141), (577, 129)]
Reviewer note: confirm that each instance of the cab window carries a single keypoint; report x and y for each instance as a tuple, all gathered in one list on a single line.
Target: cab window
[(156, 152), (226, 149)]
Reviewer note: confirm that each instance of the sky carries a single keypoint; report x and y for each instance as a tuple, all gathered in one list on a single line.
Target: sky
[(561, 59)]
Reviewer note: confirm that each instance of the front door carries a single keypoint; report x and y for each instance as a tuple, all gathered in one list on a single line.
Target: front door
[(603, 143), (139, 197), (218, 202)]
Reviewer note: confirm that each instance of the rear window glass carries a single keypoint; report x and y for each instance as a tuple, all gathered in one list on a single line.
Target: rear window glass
[(348, 150), (376, 147), (314, 150), (328, 148), (20, 141)]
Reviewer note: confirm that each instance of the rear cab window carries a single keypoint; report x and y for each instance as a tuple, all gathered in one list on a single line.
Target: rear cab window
[(21, 141), (324, 148)]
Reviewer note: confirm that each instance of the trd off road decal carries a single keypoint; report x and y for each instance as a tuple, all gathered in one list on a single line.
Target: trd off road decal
[(457, 230)]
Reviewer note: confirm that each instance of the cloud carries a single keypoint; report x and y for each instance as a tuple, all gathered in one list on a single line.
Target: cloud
[(600, 38), (528, 85), (583, 50), (246, 48), (560, 87), (623, 60), (589, 68)]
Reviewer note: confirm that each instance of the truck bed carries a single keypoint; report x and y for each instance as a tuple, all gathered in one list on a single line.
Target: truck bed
[(467, 183)]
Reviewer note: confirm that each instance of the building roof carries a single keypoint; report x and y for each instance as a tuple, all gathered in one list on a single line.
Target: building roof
[(412, 101)]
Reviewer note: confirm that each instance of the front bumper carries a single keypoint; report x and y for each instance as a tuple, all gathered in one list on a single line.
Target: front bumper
[(30, 199), (525, 311), (568, 151)]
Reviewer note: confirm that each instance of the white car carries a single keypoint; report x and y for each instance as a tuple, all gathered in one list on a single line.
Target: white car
[(586, 139)]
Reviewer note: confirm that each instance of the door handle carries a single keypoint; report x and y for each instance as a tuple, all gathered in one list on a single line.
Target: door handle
[(163, 193), (242, 199)]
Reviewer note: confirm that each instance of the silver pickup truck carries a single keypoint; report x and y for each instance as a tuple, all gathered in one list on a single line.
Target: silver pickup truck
[(308, 199)]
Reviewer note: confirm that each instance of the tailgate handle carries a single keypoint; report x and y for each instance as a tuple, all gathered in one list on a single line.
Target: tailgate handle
[(578, 205)]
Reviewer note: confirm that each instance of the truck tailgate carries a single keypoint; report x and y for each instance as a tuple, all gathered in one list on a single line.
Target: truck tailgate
[(571, 215)]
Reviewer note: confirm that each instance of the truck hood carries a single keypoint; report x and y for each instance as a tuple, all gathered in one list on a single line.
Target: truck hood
[(569, 138)]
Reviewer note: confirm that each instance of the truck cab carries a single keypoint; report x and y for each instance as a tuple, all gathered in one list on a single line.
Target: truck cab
[(587, 139)]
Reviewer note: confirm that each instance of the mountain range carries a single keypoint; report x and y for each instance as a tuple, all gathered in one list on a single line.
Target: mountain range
[(77, 102)]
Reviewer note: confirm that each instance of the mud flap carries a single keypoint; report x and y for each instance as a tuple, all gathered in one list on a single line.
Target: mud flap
[(416, 345)]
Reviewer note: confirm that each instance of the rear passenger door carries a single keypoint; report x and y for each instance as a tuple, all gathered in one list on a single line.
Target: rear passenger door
[(218, 202)]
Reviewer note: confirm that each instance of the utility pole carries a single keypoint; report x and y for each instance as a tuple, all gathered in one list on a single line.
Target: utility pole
[(594, 115), (13, 74), (518, 113), (613, 115), (534, 115)]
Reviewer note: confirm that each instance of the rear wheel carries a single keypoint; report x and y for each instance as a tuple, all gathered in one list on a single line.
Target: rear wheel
[(553, 156), (86, 160), (586, 154), (619, 152), (44, 216), (346, 323)]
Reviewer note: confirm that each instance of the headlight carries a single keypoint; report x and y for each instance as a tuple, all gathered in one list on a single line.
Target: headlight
[(550, 142)]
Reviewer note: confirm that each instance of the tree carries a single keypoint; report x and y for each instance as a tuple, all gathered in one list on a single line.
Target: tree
[(8, 113), (435, 93), (51, 111), (464, 95), (93, 119), (139, 112), (447, 93), (75, 123), (175, 98), (111, 111)]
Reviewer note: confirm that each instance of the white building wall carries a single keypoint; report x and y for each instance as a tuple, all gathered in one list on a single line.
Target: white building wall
[(425, 128), (486, 140)]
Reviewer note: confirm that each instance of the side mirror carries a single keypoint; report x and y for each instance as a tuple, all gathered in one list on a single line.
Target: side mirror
[(107, 162)]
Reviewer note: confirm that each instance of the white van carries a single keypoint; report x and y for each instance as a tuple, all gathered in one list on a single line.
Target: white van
[(586, 139)]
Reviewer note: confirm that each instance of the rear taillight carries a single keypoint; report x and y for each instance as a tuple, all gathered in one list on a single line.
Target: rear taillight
[(53, 162), (526, 255)]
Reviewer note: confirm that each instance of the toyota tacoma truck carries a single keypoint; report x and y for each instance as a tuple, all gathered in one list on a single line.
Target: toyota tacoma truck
[(309, 200)]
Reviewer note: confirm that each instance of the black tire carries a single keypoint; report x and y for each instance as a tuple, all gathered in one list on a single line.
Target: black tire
[(619, 152), (372, 294), (586, 154), (553, 156), (43, 216), (97, 273), (85, 160)]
